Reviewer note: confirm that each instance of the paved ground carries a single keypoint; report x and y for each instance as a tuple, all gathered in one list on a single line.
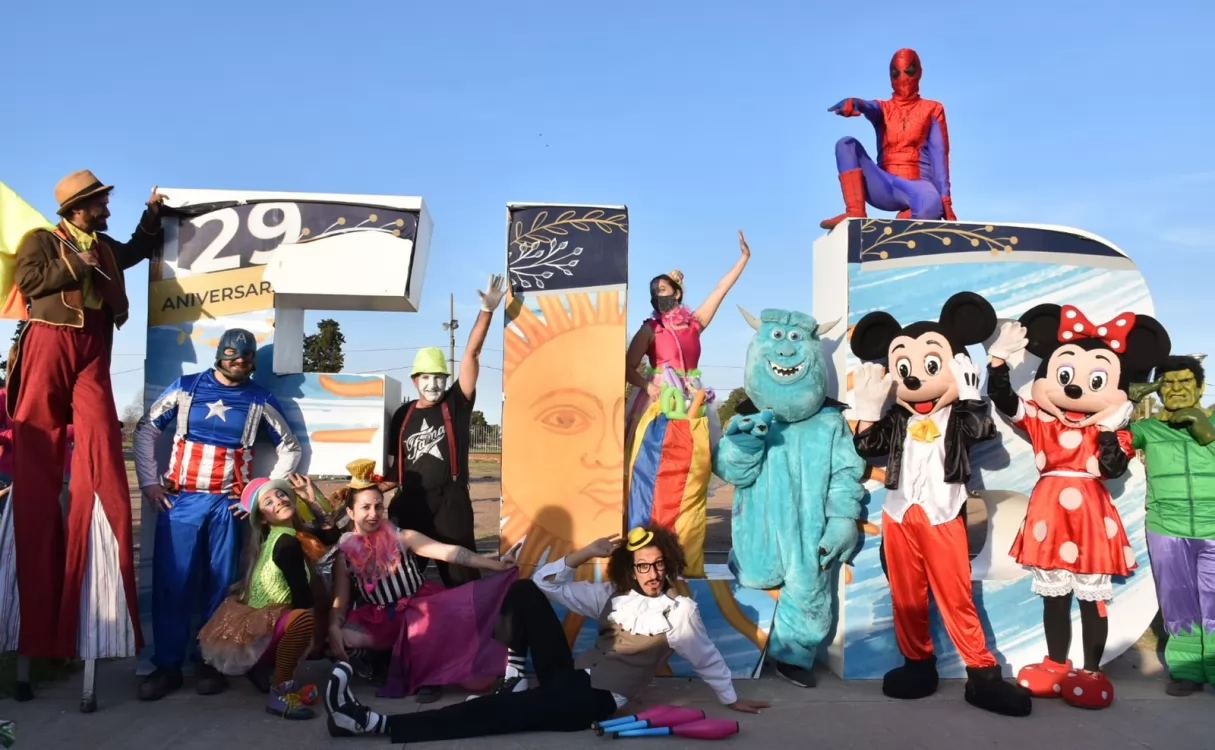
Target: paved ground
[(835, 715)]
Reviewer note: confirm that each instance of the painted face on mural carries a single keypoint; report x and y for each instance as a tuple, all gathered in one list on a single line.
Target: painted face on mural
[(431, 386), (1086, 368)]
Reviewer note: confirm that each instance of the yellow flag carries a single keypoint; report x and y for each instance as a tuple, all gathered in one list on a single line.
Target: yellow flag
[(16, 219)]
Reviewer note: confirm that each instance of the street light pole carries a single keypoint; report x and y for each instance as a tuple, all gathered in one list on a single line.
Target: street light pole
[(450, 326)]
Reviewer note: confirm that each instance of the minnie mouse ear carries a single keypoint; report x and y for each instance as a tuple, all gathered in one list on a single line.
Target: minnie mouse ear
[(968, 318), (1147, 344), (870, 340), (1042, 329)]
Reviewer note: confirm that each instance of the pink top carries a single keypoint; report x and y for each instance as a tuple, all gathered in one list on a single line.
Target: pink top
[(670, 343), (6, 442)]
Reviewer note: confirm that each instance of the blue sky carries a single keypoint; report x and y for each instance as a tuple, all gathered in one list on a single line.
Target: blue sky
[(702, 117)]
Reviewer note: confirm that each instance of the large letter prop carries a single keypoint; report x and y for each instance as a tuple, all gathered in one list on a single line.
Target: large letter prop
[(257, 261), (796, 476), (905, 268)]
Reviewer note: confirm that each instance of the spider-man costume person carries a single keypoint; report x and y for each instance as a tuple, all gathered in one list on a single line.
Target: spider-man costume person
[(912, 173)]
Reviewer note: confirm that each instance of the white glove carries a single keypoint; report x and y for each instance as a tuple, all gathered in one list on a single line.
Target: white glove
[(1119, 418), (870, 388), (492, 297), (967, 376), (1012, 339)]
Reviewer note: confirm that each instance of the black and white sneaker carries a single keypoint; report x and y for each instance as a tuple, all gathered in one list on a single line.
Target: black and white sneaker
[(348, 717)]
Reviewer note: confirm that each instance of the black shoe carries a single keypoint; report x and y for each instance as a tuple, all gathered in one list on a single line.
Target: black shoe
[(159, 684), (210, 681), (429, 693), (516, 684), (987, 689), (1178, 688), (798, 676), (24, 692), (915, 679), (260, 677), (346, 716)]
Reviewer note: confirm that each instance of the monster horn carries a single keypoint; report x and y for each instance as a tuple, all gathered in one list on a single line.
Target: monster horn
[(751, 320), (823, 328)]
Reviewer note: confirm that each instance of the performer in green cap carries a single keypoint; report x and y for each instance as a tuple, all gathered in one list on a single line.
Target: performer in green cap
[(1178, 447), (429, 439)]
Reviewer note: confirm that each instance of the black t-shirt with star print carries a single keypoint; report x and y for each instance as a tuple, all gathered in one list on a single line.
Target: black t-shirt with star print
[(425, 452)]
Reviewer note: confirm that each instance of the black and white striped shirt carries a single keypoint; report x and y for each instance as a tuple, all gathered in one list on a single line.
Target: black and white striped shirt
[(403, 582)]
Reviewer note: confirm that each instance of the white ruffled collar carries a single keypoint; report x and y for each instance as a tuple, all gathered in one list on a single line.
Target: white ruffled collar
[(640, 614)]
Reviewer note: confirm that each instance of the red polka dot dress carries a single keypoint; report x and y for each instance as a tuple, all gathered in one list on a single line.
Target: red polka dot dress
[(1071, 523)]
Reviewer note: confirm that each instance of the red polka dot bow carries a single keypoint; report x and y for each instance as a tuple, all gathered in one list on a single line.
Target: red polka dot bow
[(1074, 325)]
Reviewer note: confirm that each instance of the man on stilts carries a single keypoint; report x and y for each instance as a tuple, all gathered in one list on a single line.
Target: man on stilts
[(72, 281), (428, 445), (199, 521)]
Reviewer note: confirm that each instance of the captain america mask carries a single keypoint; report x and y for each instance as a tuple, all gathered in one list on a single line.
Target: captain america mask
[(236, 354)]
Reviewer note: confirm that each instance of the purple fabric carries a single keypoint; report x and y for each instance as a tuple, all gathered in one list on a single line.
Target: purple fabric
[(885, 191), (1184, 570), (448, 637)]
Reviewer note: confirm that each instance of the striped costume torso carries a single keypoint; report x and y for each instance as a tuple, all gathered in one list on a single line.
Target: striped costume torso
[(216, 426), (403, 582)]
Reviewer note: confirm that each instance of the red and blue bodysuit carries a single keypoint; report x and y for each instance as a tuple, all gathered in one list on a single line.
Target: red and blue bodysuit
[(912, 171), (210, 464)]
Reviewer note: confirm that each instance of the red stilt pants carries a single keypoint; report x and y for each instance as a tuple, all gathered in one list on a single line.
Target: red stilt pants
[(68, 370), (918, 556)]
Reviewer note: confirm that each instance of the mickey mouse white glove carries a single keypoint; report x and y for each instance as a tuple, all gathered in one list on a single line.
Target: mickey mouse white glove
[(870, 388), (492, 296), (1012, 339), (1119, 419), (966, 374)]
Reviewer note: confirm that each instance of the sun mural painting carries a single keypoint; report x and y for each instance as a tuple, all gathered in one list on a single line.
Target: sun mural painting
[(563, 406)]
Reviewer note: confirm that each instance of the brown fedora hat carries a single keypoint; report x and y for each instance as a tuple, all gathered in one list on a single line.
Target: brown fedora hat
[(76, 187)]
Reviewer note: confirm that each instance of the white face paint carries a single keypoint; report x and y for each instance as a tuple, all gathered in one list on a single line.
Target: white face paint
[(432, 387)]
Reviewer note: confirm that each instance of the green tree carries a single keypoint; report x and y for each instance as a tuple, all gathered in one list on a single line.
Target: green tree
[(323, 349), (726, 410), (477, 419)]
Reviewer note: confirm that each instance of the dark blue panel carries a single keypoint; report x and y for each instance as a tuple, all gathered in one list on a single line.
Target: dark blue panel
[(884, 239), (237, 228), (553, 248)]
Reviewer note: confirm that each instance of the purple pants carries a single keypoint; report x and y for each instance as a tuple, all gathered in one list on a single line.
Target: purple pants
[(885, 191), (1184, 570)]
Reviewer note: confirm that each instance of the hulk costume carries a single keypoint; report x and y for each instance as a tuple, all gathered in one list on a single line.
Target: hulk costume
[(1179, 453)]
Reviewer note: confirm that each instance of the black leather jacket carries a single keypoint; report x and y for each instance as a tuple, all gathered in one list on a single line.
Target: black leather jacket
[(970, 422)]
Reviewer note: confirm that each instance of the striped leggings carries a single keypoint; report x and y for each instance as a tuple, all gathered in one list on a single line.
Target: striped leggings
[(293, 646)]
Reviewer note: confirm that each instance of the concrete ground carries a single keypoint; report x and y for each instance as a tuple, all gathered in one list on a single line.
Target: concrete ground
[(835, 715)]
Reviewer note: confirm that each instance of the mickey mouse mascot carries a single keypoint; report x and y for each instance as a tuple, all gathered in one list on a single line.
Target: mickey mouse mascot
[(1072, 538), (926, 438)]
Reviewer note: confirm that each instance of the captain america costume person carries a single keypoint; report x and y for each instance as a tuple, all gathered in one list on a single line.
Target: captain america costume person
[(912, 171), (218, 415)]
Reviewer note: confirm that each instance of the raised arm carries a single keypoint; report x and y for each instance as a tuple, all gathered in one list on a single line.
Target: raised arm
[(285, 442), (424, 546), (470, 365), (704, 314), (557, 582)]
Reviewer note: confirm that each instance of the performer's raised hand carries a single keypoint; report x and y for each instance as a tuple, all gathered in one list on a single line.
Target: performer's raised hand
[(871, 386), (604, 547), (966, 374), (1012, 339), (156, 200), (157, 497), (493, 294), (748, 707), (743, 246), (849, 107)]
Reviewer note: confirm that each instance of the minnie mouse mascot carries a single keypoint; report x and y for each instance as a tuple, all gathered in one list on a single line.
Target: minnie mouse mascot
[(1072, 538), (925, 438)]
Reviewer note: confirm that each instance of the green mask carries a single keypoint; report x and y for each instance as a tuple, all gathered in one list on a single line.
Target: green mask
[(1179, 389)]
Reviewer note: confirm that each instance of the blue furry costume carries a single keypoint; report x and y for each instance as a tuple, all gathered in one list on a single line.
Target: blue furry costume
[(797, 479)]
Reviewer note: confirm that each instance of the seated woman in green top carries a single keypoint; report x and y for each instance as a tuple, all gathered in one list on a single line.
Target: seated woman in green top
[(269, 618)]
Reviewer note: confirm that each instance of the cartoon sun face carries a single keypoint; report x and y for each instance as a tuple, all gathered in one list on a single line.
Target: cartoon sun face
[(563, 465), (1080, 386), (923, 379)]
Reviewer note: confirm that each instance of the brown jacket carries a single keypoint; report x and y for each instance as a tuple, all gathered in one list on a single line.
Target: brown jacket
[(50, 275)]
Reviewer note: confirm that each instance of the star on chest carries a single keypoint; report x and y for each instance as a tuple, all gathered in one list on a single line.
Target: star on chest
[(217, 409)]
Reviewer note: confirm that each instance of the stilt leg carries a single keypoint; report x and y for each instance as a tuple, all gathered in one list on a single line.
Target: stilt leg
[(88, 698), (25, 692)]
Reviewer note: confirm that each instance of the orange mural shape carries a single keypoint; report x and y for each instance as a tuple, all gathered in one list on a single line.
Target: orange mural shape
[(352, 435), (358, 389), (563, 424)]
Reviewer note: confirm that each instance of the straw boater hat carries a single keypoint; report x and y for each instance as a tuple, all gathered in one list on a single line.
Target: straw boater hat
[(76, 187), (362, 476)]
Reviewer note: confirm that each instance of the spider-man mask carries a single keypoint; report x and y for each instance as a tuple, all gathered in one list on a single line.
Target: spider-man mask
[(905, 74)]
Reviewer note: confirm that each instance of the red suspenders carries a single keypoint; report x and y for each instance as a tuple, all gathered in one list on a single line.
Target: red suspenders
[(454, 459)]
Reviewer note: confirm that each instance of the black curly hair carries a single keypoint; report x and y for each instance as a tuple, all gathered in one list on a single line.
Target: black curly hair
[(620, 564)]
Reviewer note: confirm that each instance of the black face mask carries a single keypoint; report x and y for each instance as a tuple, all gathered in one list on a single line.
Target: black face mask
[(664, 303)]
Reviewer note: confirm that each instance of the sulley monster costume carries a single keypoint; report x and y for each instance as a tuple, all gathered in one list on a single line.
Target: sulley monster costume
[(797, 479)]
